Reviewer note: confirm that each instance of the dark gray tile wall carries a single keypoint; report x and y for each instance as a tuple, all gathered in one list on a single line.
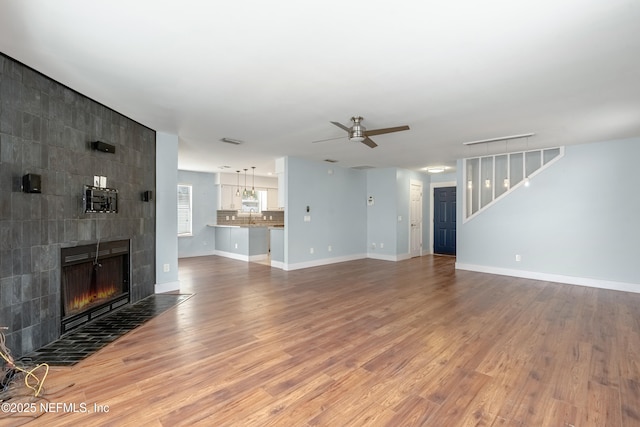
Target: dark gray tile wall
[(47, 129)]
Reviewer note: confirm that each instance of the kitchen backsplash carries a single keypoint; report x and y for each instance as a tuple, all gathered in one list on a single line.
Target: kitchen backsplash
[(266, 218)]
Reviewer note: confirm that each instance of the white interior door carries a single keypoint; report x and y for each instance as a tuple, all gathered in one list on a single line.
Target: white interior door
[(415, 233)]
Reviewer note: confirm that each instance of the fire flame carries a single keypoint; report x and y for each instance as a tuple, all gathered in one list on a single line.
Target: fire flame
[(81, 301)]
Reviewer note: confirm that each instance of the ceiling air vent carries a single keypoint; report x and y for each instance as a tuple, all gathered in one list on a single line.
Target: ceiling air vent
[(232, 141), (330, 161), (363, 167)]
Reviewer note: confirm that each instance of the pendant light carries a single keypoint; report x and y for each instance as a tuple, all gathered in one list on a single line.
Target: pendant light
[(245, 193), (253, 183), (238, 184)]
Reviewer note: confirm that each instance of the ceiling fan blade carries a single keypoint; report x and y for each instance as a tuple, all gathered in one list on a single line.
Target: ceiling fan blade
[(327, 139), (385, 130), (341, 126), (369, 142)]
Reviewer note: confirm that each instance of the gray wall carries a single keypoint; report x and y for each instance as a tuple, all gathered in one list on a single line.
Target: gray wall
[(578, 218), (340, 217), (390, 189), (204, 198), (382, 215), (337, 203), (166, 217), (46, 128)]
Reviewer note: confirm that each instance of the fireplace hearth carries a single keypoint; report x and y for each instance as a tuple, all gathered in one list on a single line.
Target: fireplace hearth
[(94, 281)]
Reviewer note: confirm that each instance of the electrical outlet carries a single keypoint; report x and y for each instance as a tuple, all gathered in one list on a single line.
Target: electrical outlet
[(166, 268), (518, 258), (329, 248), (310, 250), (373, 246), (381, 245), (236, 246)]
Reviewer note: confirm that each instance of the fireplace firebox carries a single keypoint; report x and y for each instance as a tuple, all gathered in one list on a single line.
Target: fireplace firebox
[(94, 281)]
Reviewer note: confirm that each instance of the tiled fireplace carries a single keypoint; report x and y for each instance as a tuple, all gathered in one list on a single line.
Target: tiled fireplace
[(94, 281), (49, 130)]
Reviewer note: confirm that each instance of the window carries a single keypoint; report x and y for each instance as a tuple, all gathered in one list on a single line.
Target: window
[(255, 204), (184, 210)]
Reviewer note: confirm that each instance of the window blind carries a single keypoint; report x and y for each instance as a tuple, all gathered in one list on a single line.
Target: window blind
[(184, 210)]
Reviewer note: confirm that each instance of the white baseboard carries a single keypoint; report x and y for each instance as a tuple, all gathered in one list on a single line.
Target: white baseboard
[(231, 255), (198, 254), (324, 261), (277, 264), (385, 257), (570, 280), (161, 288)]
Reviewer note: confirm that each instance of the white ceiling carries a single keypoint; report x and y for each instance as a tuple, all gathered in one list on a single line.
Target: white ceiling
[(275, 73)]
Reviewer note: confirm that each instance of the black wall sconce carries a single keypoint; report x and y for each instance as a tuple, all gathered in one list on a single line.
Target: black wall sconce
[(32, 183), (103, 146)]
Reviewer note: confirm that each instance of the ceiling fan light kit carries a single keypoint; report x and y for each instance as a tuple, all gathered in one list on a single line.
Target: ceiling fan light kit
[(358, 133)]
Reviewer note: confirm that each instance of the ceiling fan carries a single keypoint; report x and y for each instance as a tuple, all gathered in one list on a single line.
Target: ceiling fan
[(359, 133)]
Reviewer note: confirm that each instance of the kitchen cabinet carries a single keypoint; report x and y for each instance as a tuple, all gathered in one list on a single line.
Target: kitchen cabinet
[(272, 198), (243, 243), (228, 198)]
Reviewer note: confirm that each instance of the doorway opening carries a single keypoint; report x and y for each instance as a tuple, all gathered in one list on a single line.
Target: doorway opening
[(415, 219)]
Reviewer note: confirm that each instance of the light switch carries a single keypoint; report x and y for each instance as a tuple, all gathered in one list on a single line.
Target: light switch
[(307, 218)]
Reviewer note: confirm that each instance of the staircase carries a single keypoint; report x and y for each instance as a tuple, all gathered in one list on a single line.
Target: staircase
[(490, 178)]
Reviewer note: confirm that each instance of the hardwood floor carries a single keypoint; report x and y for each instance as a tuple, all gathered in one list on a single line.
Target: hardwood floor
[(366, 343)]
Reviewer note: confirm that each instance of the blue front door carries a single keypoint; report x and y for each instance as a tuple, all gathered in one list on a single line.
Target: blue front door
[(444, 220)]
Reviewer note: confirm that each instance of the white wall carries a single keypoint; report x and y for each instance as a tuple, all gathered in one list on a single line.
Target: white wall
[(576, 223)]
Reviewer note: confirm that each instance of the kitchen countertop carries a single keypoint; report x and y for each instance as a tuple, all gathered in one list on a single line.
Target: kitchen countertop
[(246, 226)]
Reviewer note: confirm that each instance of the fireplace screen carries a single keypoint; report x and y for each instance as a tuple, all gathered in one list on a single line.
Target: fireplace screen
[(89, 284), (95, 280)]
